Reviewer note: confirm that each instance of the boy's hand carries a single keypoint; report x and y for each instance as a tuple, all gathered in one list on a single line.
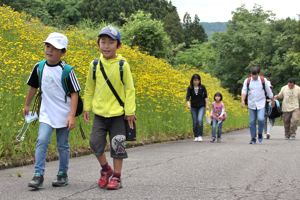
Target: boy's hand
[(25, 110), (70, 123), (131, 119), (86, 116)]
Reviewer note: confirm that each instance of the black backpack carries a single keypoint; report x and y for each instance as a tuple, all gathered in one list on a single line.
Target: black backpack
[(273, 112)]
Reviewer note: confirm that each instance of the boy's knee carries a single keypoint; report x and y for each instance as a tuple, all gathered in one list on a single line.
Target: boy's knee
[(95, 147), (42, 142)]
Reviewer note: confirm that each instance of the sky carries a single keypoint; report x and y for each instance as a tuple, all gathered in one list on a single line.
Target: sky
[(220, 10)]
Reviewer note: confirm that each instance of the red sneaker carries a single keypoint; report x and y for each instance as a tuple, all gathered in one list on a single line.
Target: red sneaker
[(114, 183), (105, 175)]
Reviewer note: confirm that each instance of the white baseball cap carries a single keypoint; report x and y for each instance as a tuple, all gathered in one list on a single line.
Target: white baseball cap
[(58, 40)]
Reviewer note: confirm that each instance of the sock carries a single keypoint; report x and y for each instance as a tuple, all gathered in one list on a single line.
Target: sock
[(118, 175), (105, 167)]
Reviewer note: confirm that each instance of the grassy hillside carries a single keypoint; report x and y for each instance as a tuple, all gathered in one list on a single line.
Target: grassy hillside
[(160, 89)]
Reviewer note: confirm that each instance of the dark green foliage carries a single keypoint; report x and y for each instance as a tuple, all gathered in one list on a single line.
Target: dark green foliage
[(198, 55), (193, 30), (109, 10), (187, 22), (255, 38), (149, 35), (173, 27), (62, 13), (197, 31)]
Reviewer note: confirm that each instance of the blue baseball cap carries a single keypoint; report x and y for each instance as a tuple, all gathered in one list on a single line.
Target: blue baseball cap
[(111, 31)]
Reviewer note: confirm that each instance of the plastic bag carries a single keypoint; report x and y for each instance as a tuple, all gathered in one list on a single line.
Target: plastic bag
[(207, 117)]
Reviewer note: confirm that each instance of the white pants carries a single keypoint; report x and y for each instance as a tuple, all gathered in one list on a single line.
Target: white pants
[(268, 125)]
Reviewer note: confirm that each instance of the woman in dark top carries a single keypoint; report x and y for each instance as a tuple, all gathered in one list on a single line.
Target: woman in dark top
[(196, 98)]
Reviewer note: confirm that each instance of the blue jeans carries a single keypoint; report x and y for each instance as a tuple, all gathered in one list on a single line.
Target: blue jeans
[(197, 115), (214, 128), (43, 140), (260, 116)]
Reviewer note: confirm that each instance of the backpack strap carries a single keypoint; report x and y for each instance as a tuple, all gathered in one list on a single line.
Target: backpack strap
[(95, 63), (248, 83), (111, 86), (264, 85), (121, 63), (64, 79), (262, 82), (40, 72)]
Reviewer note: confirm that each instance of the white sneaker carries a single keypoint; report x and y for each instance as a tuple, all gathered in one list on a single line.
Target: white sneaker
[(196, 139), (265, 136), (200, 139)]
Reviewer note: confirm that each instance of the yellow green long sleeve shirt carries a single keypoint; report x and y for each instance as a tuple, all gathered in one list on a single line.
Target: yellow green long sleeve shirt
[(98, 96)]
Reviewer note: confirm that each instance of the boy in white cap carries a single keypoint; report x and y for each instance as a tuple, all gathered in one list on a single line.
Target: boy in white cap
[(57, 110), (109, 113)]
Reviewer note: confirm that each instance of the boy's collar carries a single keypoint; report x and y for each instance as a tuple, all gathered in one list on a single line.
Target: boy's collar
[(55, 64)]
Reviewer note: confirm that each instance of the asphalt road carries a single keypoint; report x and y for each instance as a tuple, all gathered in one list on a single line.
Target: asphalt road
[(185, 169)]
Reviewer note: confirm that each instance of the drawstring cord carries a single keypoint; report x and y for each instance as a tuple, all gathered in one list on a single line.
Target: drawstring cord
[(22, 137)]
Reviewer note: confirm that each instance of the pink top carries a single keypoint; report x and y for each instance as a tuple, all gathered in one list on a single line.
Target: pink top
[(218, 110)]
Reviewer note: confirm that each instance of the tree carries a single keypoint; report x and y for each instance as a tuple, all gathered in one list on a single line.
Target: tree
[(247, 42), (187, 21), (197, 31), (173, 27), (200, 55), (193, 30), (149, 35)]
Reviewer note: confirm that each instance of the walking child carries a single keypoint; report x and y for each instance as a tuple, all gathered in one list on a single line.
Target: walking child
[(268, 121), (109, 114), (218, 115), (57, 110)]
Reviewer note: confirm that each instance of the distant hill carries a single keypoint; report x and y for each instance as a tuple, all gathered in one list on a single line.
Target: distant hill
[(213, 27)]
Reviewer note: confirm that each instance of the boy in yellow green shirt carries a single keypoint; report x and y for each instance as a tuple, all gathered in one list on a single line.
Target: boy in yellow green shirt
[(109, 114)]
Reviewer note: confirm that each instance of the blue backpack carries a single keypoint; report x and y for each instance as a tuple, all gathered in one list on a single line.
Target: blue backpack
[(64, 76), (64, 81)]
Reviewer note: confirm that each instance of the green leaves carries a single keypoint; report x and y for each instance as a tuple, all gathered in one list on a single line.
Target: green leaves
[(149, 35)]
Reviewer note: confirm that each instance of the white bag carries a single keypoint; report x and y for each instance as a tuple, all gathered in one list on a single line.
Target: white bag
[(207, 118)]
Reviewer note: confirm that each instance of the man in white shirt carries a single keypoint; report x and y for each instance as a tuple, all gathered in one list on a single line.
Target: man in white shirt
[(290, 107), (257, 92)]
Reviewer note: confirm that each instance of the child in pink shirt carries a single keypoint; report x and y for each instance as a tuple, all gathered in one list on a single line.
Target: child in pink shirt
[(218, 115)]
